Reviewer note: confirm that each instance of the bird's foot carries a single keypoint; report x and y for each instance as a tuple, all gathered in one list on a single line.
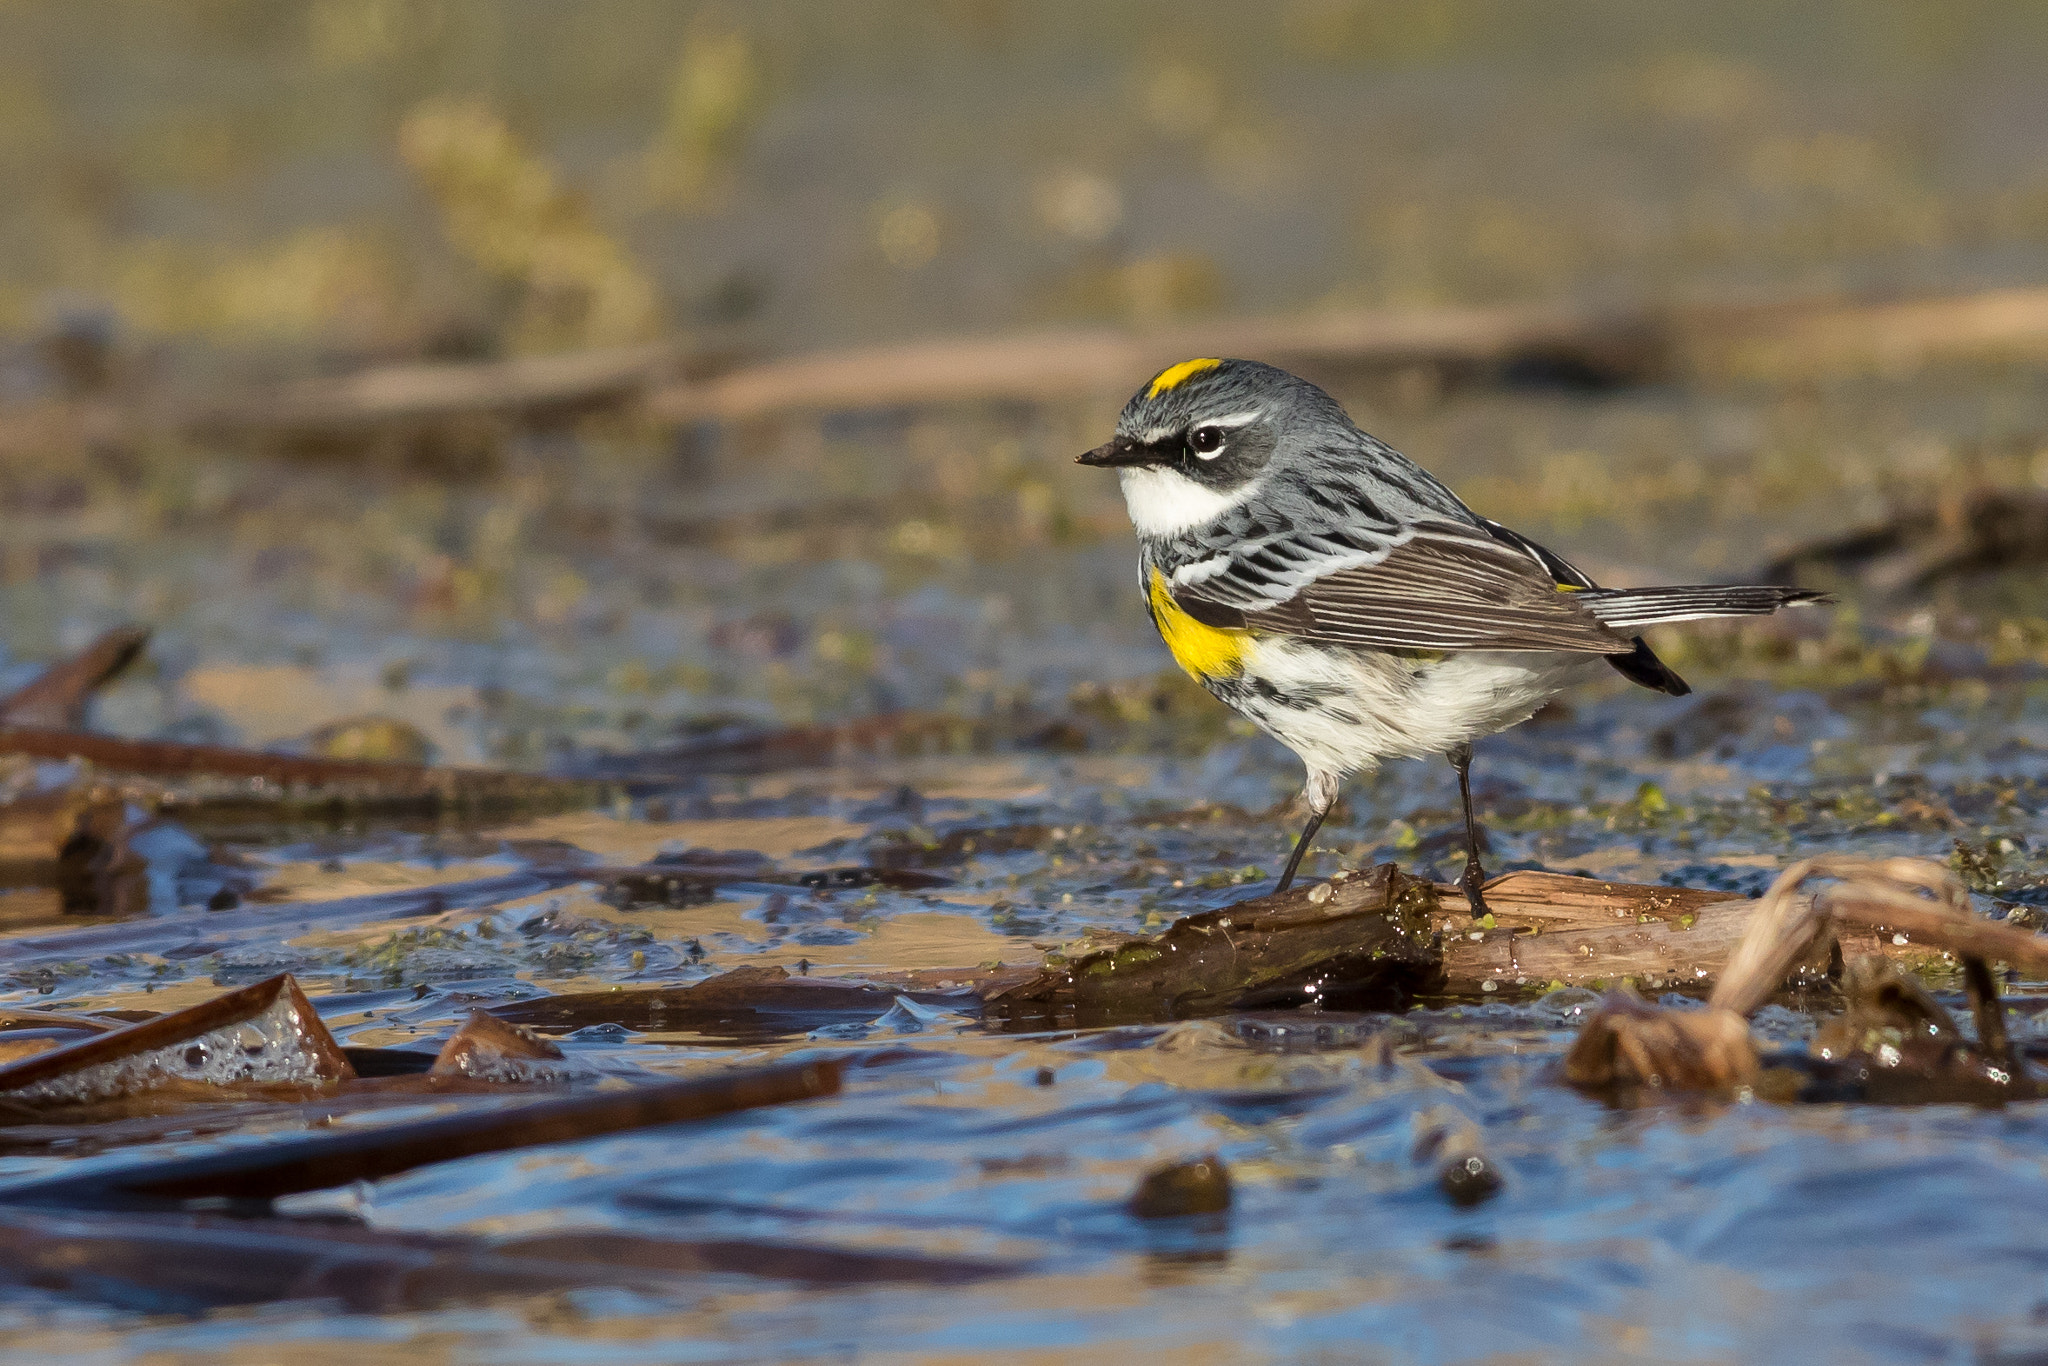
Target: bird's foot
[(1471, 881)]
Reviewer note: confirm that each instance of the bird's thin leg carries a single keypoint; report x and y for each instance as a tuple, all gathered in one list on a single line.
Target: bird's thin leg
[(1315, 823), (1474, 876)]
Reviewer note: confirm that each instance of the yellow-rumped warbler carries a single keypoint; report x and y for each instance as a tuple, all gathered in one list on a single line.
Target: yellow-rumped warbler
[(1348, 604)]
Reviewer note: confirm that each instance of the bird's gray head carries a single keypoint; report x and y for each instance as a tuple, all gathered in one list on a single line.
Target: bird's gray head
[(1203, 436)]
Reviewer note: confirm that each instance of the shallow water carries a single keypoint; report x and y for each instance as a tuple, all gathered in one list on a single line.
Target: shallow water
[(1683, 1231)]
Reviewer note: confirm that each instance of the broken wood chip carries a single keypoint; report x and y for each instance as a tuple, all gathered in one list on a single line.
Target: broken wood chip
[(267, 1032), (487, 1048)]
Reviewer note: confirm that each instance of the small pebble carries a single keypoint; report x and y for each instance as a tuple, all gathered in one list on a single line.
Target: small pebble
[(1183, 1188), (1319, 893)]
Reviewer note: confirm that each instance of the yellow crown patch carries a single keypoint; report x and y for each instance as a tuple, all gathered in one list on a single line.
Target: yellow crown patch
[(1175, 375)]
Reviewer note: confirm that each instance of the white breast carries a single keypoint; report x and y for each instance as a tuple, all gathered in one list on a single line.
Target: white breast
[(1345, 711)]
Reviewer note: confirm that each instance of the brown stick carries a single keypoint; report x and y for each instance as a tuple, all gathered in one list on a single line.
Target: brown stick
[(319, 1161)]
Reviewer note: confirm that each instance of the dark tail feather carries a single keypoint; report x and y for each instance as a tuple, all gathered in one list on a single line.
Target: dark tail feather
[(1645, 668), (1630, 607)]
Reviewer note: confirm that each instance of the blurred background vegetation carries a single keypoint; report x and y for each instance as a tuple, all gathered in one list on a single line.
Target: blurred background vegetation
[(346, 177), (216, 193)]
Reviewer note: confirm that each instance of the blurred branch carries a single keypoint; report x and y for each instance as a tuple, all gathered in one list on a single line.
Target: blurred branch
[(1596, 348), (678, 381), (58, 697)]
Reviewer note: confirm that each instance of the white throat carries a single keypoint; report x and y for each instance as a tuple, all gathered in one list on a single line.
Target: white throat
[(1165, 502)]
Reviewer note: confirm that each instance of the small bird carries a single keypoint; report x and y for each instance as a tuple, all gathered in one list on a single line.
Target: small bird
[(1333, 592)]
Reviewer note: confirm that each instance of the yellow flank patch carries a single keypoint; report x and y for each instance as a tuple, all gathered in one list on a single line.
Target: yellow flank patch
[(1174, 375), (1204, 651)]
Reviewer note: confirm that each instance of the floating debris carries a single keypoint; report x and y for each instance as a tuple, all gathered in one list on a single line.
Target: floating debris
[(1893, 1043)]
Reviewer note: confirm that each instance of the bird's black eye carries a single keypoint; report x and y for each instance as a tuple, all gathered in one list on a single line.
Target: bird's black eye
[(1206, 441)]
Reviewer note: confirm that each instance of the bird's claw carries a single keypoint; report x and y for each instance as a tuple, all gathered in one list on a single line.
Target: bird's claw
[(1473, 879)]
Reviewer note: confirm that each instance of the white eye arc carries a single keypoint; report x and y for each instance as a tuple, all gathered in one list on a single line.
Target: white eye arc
[(1206, 442)]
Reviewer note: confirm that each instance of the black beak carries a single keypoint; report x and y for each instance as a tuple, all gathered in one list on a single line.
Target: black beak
[(1120, 451)]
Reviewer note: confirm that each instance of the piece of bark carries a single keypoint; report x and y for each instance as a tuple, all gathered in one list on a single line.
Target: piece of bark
[(265, 1033), (58, 698), (1365, 940), (287, 1166), (1894, 1044)]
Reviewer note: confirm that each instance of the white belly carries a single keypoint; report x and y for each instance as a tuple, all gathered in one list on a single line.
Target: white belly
[(1345, 711)]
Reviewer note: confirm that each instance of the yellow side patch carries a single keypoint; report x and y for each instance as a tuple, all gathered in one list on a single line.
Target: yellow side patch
[(1174, 375), (1204, 651)]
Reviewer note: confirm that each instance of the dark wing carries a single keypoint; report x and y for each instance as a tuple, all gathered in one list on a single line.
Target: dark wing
[(1444, 586), (1641, 664), (1561, 570)]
